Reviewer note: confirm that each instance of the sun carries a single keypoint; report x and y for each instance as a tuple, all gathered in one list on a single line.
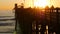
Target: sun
[(40, 3)]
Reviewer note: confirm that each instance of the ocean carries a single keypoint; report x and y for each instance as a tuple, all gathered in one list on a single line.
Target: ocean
[(7, 21)]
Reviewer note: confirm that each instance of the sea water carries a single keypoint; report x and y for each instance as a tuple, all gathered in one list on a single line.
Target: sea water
[(7, 22)]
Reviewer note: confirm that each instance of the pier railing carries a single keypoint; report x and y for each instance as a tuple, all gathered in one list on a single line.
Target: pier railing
[(35, 21)]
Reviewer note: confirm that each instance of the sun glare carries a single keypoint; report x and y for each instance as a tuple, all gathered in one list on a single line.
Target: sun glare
[(40, 3)]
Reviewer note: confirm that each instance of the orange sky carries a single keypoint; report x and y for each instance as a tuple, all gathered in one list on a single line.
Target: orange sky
[(9, 4)]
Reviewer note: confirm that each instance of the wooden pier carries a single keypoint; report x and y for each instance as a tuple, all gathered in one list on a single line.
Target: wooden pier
[(31, 19)]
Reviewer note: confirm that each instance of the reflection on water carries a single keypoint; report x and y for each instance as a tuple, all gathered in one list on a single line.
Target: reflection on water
[(39, 27), (7, 24)]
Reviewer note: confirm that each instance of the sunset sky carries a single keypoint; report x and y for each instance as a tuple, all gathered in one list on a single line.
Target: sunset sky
[(9, 4)]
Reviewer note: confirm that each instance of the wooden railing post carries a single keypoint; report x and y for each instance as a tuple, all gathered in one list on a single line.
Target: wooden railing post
[(15, 17)]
